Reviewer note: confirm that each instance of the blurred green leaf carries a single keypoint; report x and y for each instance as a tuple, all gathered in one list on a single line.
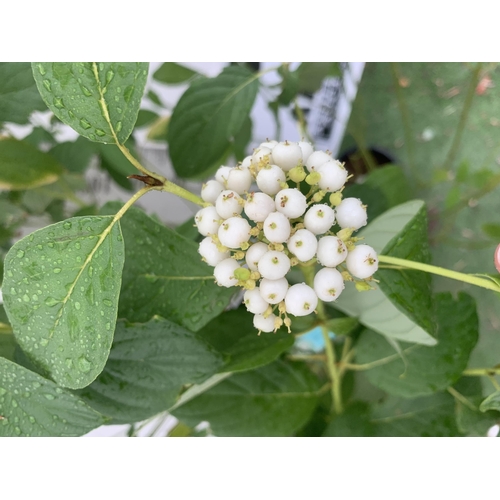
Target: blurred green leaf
[(145, 117), (74, 156), (22, 166), (242, 139), (492, 402), (353, 422), (275, 400), (427, 369), (207, 117), (492, 230), (19, 96), (148, 365), (174, 73), (311, 75)]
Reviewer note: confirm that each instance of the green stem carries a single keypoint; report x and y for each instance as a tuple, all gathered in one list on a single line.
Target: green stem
[(173, 188), (379, 362), (441, 271), (302, 122), (463, 118), (481, 372), (461, 398), (333, 371)]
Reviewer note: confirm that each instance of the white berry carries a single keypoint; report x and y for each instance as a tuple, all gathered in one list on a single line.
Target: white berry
[(211, 190), (233, 232), (328, 284), (273, 265), (262, 155), (239, 180), (291, 202), (333, 176), (254, 254), (351, 213), (258, 206), (264, 324), (207, 221), (362, 262), (287, 155), (273, 291), (303, 244), (307, 150), (301, 300), (331, 251), (319, 219), (317, 159), (277, 227), (209, 251), (224, 272), (254, 302), (228, 204), (222, 174), (270, 179)]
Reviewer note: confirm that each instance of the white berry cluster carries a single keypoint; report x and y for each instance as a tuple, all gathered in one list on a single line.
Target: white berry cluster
[(254, 237)]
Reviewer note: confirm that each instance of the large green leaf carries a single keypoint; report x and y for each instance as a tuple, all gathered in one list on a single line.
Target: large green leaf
[(19, 96), (207, 117), (353, 422), (33, 406), (173, 73), (401, 308), (61, 290), (99, 100), (492, 402), (425, 369), (164, 275), (312, 74), (147, 367), (428, 416), (275, 400), (22, 166), (233, 333), (75, 156)]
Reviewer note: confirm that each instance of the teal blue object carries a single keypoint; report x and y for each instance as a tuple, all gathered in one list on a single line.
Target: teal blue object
[(313, 340)]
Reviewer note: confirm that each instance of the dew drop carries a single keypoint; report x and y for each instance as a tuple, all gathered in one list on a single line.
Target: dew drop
[(86, 91), (17, 431), (71, 114), (118, 126), (50, 397), (44, 342), (41, 69), (100, 132), (20, 254), (77, 245), (14, 403), (26, 298), (78, 306), (58, 102), (50, 301), (109, 76), (84, 364), (32, 419), (68, 362), (67, 225), (13, 291), (46, 84), (57, 270), (85, 124)]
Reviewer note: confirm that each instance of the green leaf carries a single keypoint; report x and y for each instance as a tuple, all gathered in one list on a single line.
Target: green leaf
[(164, 275), (61, 290), (492, 402), (275, 400), (173, 73), (492, 230), (233, 333), (428, 416), (74, 156), (353, 422), (99, 100), (189, 230), (427, 369), (312, 74), (242, 139), (22, 166), (118, 167), (289, 85), (147, 367), (19, 96), (33, 406), (207, 117), (145, 117), (402, 308), (10, 215)]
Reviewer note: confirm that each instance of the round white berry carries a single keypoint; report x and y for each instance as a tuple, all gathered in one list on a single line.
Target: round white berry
[(254, 254), (262, 155), (277, 227), (301, 300), (270, 179), (211, 190), (362, 262), (224, 272), (254, 301), (291, 202), (319, 218), (331, 251), (207, 221), (258, 206), (273, 265), (228, 204), (268, 144), (333, 176), (328, 284), (287, 155), (264, 324), (273, 291), (209, 251), (317, 159), (307, 150), (233, 232), (303, 244), (222, 174), (247, 162), (351, 213), (239, 180)]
